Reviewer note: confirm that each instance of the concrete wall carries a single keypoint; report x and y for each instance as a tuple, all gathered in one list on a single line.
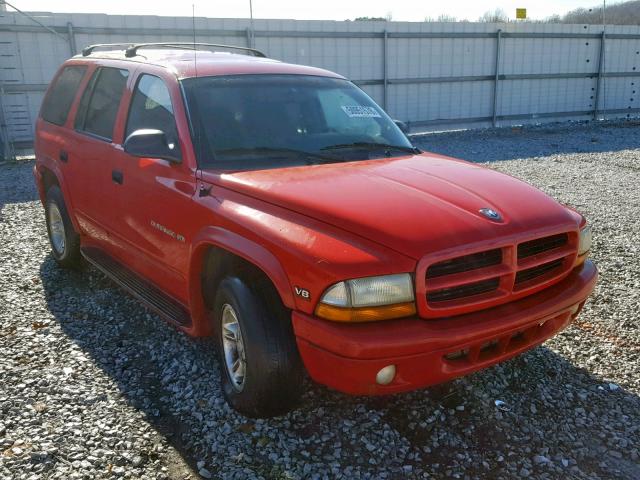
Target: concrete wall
[(432, 75)]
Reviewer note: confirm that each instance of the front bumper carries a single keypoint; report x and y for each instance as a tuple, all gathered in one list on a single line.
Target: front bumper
[(348, 357)]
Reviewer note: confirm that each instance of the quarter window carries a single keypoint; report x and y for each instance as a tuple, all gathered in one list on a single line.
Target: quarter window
[(55, 107), (100, 101), (151, 108)]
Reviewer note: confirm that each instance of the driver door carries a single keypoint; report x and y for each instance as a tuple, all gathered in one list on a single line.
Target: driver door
[(156, 194)]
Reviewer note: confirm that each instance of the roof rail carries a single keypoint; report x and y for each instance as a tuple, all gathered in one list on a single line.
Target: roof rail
[(133, 49), (86, 51)]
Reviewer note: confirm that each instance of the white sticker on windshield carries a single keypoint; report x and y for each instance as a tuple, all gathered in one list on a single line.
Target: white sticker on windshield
[(360, 111)]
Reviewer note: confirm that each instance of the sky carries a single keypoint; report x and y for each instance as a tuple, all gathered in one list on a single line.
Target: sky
[(402, 10)]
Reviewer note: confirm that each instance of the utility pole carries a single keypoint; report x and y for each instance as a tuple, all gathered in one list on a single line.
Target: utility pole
[(251, 22)]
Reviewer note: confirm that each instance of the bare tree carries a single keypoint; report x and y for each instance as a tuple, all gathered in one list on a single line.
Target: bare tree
[(496, 16), (370, 19), (443, 17), (387, 18), (625, 13)]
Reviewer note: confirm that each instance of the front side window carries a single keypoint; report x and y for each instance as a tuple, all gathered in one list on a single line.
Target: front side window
[(100, 102), (56, 105), (151, 108), (267, 121)]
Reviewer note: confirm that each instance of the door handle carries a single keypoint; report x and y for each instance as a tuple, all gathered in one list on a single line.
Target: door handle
[(64, 156), (117, 177)]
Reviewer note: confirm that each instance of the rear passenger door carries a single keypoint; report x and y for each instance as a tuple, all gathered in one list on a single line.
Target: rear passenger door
[(91, 150)]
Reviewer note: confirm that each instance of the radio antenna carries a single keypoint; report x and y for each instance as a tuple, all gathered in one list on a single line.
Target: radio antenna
[(193, 24)]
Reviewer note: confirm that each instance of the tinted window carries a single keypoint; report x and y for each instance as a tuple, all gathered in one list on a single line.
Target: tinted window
[(151, 108), (268, 121), (55, 107), (100, 102), (86, 96)]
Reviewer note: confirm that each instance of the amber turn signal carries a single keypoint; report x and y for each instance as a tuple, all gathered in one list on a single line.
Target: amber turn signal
[(365, 314), (580, 260)]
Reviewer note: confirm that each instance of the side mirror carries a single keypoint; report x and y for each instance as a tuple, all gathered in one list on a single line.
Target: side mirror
[(152, 143), (402, 126)]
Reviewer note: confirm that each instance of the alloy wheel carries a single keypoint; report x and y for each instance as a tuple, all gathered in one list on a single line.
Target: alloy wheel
[(233, 345), (56, 228)]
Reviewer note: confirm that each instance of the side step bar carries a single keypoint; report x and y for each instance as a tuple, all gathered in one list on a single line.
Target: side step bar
[(140, 288)]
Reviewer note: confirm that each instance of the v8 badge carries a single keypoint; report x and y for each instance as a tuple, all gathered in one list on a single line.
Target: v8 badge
[(302, 292)]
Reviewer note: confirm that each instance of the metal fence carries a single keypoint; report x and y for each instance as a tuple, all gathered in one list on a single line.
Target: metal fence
[(430, 75)]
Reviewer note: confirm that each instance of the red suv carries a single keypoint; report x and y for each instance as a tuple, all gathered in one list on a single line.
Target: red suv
[(278, 208)]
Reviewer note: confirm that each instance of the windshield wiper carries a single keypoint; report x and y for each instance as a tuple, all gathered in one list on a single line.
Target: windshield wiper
[(372, 145), (319, 158)]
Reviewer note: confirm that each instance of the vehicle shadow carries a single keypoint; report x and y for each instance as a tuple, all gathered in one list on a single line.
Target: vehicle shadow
[(487, 145), (173, 380)]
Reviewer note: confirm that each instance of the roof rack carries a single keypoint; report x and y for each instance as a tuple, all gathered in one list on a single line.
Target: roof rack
[(86, 51), (131, 49)]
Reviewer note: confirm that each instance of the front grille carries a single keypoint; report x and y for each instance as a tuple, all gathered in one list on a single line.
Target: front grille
[(496, 275), (465, 263), (467, 290), (535, 272), (539, 245)]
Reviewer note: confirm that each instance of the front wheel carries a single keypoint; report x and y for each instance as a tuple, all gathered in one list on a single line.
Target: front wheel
[(260, 366)]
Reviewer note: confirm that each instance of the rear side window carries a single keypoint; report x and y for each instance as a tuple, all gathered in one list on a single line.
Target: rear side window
[(151, 108), (100, 101), (56, 105)]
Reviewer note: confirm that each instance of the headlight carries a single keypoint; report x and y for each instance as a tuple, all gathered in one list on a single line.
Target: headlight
[(367, 299), (585, 241)]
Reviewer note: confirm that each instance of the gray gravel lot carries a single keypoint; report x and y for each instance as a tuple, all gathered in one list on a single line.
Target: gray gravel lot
[(92, 385)]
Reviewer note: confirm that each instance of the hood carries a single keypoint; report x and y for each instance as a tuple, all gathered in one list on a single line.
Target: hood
[(415, 205)]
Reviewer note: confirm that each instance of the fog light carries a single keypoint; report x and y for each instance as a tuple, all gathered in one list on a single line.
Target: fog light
[(385, 375)]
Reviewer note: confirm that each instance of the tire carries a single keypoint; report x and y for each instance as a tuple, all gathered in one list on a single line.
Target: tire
[(64, 240), (272, 381)]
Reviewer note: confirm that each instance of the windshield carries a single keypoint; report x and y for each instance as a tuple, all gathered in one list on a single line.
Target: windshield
[(267, 121)]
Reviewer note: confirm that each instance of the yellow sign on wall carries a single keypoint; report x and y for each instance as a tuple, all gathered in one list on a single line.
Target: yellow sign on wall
[(521, 13)]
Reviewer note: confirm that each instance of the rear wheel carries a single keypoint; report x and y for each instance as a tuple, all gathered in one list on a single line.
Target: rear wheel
[(64, 240), (260, 366)]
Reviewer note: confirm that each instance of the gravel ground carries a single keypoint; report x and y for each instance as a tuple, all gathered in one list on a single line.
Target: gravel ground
[(92, 385)]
